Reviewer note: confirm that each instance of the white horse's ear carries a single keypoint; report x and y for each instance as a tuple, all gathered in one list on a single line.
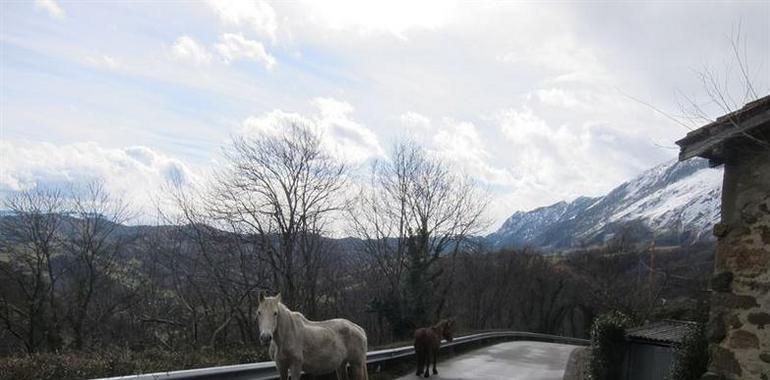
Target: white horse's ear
[(261, 296), (278, 297)]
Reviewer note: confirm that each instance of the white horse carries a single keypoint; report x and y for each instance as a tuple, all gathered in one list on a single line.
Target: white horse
[(297, 344)]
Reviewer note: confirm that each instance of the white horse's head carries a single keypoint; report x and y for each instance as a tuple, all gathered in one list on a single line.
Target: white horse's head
[(267, 316)]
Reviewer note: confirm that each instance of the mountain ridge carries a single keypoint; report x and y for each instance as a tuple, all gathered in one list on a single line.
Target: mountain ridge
[(674, 203)]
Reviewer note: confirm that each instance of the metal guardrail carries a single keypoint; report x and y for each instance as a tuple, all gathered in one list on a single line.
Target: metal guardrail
[(267, 370)]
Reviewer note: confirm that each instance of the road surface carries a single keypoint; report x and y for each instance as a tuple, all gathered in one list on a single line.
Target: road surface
[(510, 361)]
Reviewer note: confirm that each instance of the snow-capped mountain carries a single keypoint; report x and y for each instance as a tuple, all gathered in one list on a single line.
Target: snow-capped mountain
[(673, 203)]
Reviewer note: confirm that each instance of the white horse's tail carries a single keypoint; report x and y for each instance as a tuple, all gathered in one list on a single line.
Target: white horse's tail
[(364, 368), (363, 349)]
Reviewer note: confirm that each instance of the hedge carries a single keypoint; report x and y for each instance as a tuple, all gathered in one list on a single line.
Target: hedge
[(87, 365), (607, 346)]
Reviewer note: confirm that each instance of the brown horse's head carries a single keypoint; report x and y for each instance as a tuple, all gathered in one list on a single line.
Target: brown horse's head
[(446, 329)]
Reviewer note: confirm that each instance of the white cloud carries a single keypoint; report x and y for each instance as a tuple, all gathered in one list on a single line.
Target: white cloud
[(231, 47), (234, 46), (103, 61), (564, 58), (465, 65), (272, 123), (415, 121), (565, 159), (349, 138), (187, 49), (515, 124), (396, 17), (557, 97), (550, 154), (557, 52), (135, 173), (51, 7), (458, 143), (343, 137), (257, 15)]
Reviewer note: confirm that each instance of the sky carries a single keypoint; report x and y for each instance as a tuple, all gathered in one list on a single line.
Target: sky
[(538, 101)]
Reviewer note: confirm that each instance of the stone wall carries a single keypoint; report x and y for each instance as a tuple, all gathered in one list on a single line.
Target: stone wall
[(739, 326)]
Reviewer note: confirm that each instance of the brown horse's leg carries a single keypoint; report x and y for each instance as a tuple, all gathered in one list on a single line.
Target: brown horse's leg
[(427, 362), (435, 359), (418, 354)]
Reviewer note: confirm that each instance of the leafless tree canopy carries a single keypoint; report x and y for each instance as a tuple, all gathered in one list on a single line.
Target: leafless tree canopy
[(282, 191), (63, 258), (31, 245), (414, 212)]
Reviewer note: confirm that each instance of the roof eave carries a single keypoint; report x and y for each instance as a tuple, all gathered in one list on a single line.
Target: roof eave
[(708, 141)]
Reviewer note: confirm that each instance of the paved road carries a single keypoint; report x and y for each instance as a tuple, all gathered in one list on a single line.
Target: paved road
[(509, 361)]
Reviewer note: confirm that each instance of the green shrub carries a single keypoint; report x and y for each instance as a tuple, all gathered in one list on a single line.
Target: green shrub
[(607, 346), (691, 356)]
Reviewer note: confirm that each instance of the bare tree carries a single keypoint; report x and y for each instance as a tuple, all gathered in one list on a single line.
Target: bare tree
[(220, 263), (723, 92), (415, 211), (28, 302), (281, 191), (94, 246), (515, 289)]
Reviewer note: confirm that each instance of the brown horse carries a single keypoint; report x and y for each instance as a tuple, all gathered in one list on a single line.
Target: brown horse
[(427, 341)]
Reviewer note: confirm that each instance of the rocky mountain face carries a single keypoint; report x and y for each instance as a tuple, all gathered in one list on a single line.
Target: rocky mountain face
[(675, 203)]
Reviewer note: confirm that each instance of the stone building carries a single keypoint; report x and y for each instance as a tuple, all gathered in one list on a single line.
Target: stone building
[(739, 325)]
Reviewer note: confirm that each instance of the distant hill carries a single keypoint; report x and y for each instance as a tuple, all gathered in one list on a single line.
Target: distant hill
[(675, 203)]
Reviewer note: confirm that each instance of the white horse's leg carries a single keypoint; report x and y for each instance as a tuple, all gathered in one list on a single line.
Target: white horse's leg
[(358, 371), (283, 371), (342, 372), (296, 370), (358, 368), (364, 368)]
